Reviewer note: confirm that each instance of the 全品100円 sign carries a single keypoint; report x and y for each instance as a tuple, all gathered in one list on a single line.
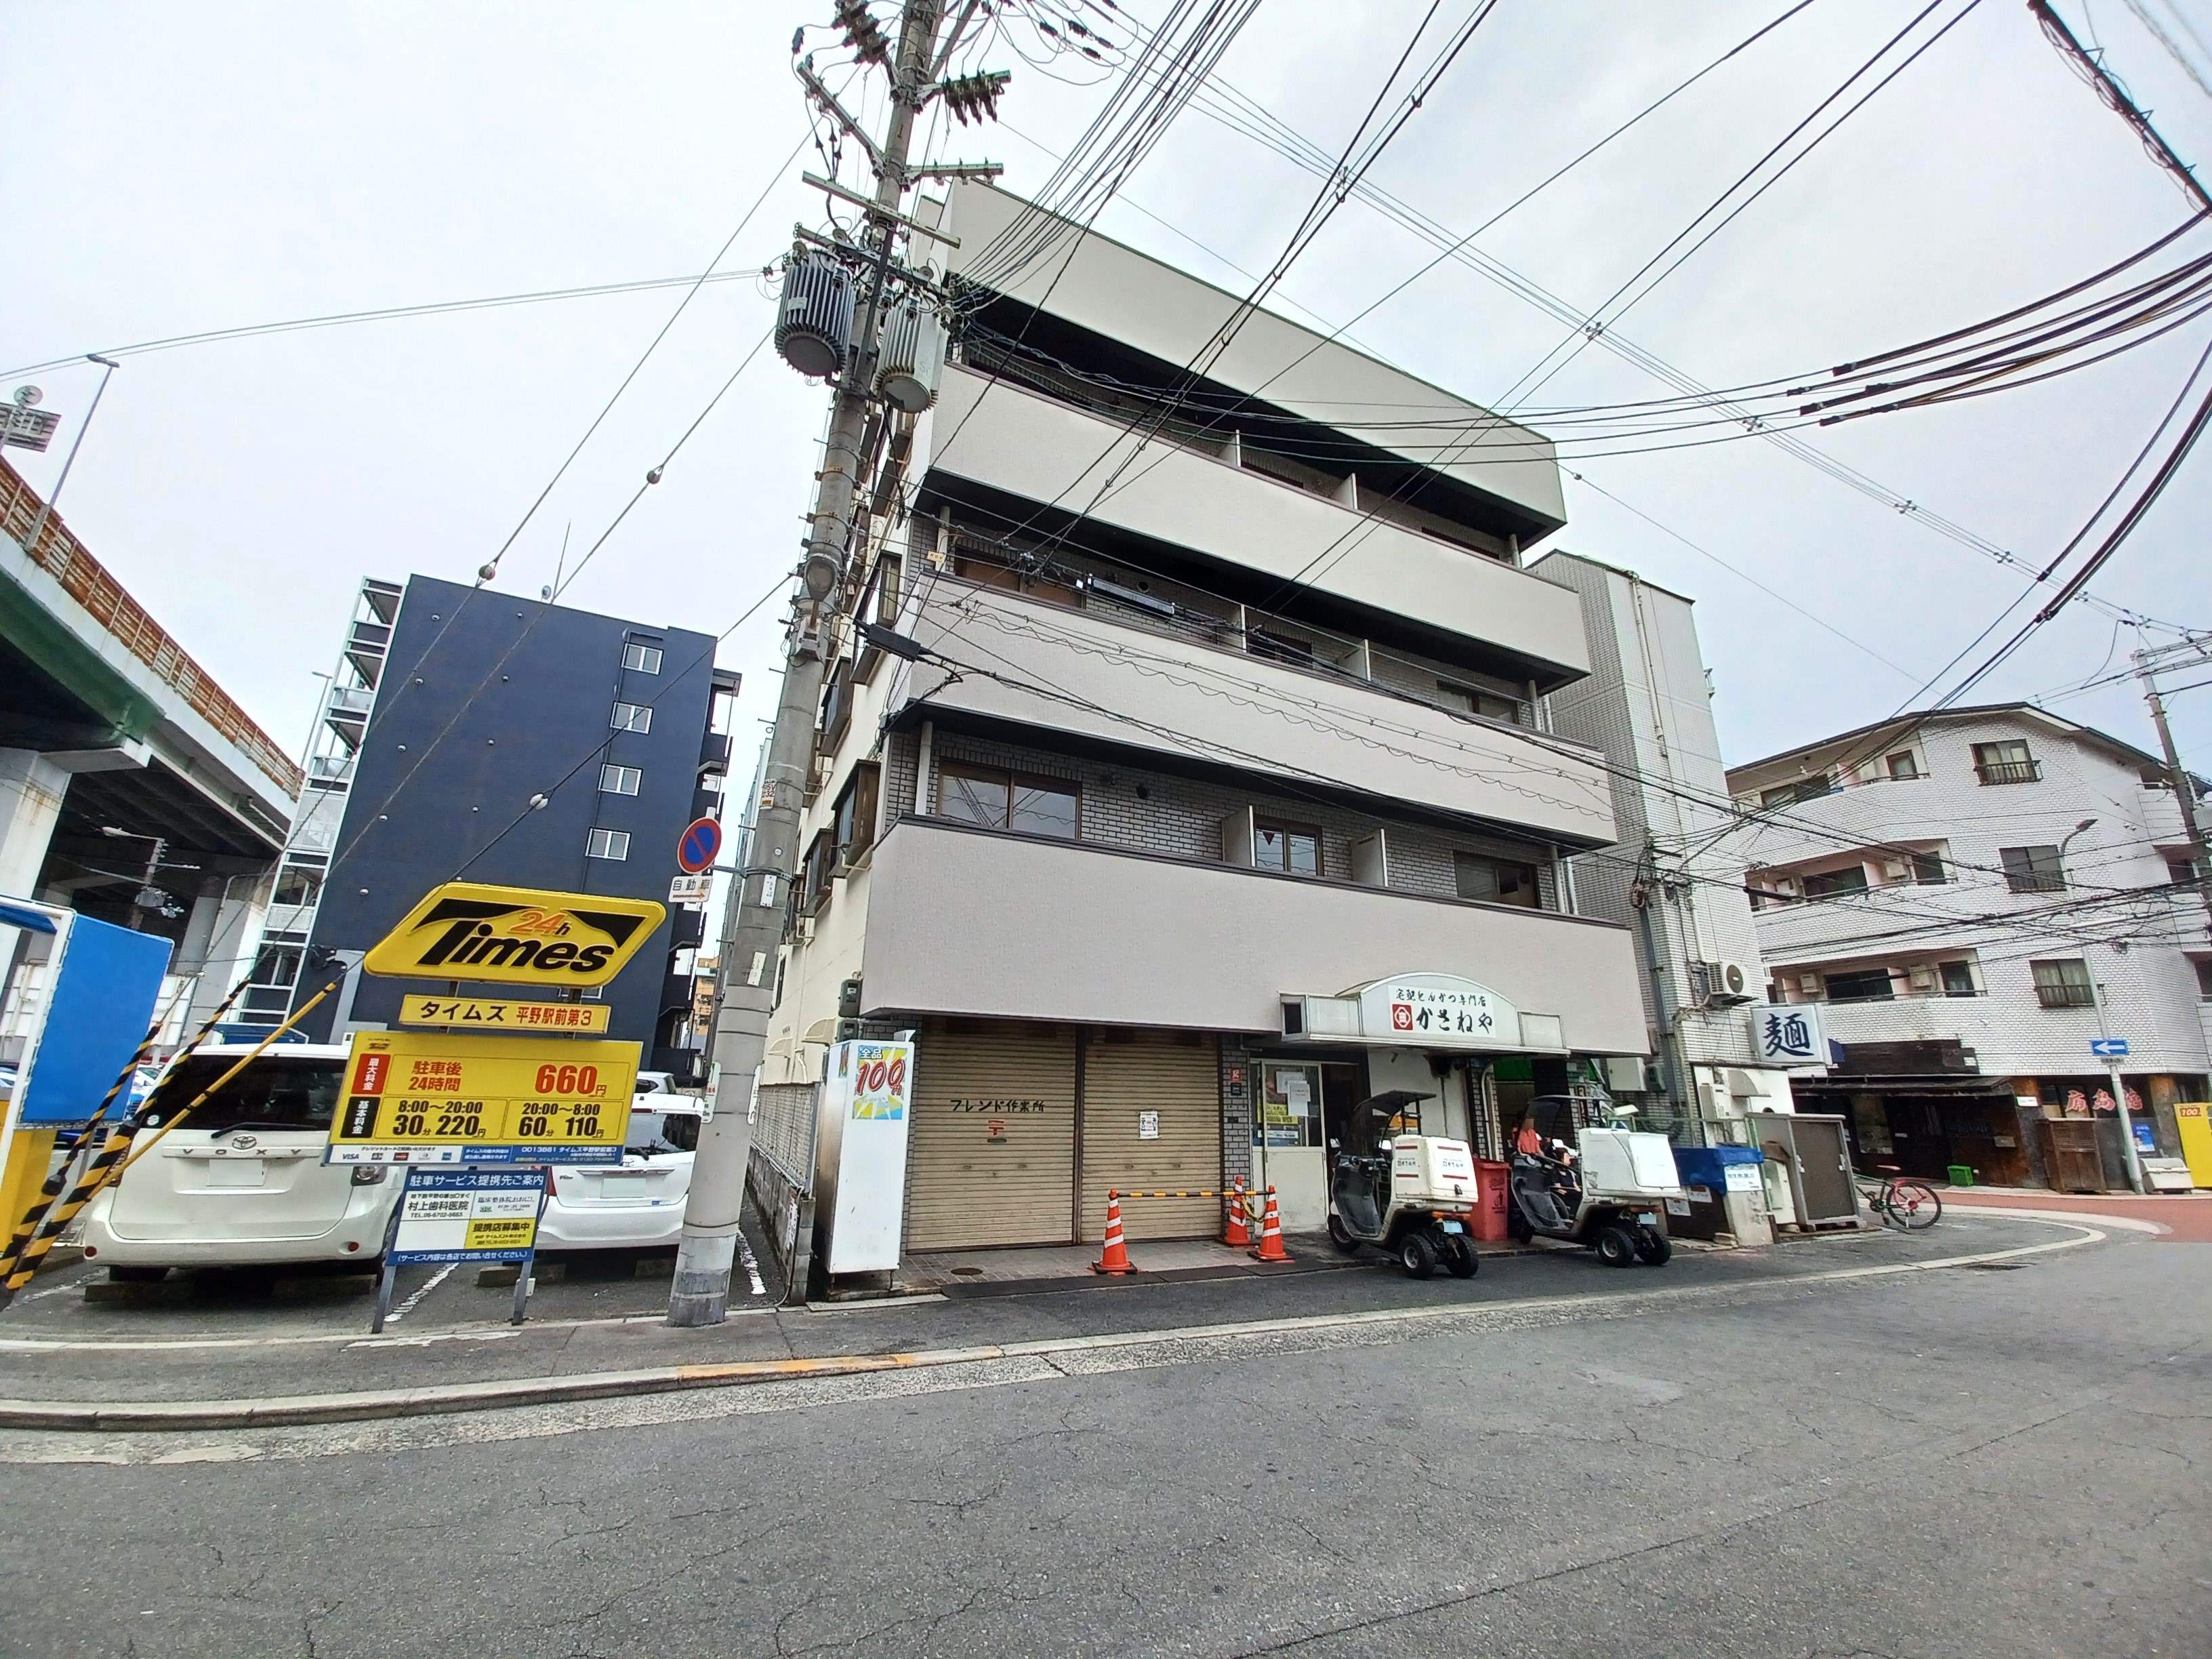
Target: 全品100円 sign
[(435, 1097)]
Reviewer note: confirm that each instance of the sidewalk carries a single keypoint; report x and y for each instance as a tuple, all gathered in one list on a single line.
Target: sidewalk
[(2187, 1219), (144, 1380)]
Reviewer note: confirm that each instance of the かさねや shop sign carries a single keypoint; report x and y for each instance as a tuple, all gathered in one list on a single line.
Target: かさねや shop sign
[(1437, 1011)]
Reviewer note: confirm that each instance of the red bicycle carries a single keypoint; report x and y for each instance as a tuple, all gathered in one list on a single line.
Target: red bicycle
[(1911, 1204)]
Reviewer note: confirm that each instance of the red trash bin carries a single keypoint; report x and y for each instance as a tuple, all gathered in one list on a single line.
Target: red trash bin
[(1488, 1225)]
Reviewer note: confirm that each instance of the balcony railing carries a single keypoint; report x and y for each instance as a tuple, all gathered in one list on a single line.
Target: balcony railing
[(2025, 771), (2066, 996)]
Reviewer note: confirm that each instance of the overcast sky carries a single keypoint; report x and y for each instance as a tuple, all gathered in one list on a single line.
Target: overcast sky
[(174, 169)]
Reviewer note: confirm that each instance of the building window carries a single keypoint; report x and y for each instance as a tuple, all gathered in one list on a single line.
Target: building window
[(2007, 761), (2033, 869), (1473, 700), (1928, 869), (1292, 849), (619, 779), (2182, 872), (1903, 764), (297, 884), (853, 828), (1958, 978), (2203, 976), (1783, 794), (999, 799), (2063, 983), (1833, 884), (819, 872), (642, 658), (1495, 881), (631, 717), (1861, 985), (279, 965), (607, 844)]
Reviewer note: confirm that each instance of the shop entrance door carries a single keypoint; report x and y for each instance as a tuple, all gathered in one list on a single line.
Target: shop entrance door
[(1301, 1106)]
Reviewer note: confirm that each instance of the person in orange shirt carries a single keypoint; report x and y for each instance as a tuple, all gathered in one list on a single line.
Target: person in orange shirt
[(1529, 1143)]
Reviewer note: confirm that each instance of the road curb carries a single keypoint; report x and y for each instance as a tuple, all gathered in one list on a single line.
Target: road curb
[(295, 1410), (308, 1410)]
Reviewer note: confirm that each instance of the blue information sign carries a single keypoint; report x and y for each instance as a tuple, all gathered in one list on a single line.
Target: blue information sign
[(467, 1215), (2109, 1048)]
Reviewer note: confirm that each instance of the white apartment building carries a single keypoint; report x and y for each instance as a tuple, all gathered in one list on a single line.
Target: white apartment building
[(1677, 877), (1973, 897), (1219, 795)]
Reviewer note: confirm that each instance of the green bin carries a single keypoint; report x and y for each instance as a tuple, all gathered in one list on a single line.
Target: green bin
[(1961, 1175)]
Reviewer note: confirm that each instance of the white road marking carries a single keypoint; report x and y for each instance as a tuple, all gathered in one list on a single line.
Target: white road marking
[(752, 1267), (1049, 1360), (416, 1300)]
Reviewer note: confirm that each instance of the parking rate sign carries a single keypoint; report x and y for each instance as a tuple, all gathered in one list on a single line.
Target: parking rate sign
[(438, 1097)]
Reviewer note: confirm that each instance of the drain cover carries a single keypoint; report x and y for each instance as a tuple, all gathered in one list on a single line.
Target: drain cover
[(1995, 1266), (967, 1272)]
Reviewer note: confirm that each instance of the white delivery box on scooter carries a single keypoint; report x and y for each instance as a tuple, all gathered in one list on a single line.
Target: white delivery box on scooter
[(1424, 1170), (1628, 1163)]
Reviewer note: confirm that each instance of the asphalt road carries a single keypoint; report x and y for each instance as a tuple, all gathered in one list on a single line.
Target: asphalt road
[(1967, 1462)]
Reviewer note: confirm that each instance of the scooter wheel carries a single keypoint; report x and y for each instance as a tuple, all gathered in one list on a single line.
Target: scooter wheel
[(1517, 1228), (1418, 1256), (1653, 1248), (1338, 1236), (1615, 1247), (1460, 1257)]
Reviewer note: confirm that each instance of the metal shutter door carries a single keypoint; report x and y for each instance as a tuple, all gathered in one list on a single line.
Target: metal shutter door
[(1178, 1075), (966, 1186)]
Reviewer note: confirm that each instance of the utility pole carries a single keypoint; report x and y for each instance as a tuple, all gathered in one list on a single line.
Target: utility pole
[(2184, 792), (753, 928)]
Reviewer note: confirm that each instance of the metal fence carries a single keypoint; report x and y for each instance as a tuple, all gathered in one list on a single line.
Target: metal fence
[(784, 1134), (88, 581)]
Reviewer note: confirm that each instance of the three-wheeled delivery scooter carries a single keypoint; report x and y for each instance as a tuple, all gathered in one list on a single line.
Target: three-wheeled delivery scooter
[(1404, 1192), (1607, 1201)]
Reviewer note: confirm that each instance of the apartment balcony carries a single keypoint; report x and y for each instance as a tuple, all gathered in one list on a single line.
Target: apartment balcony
[(1030, 663), (1997, 772), (1041, 451), (972, 922)]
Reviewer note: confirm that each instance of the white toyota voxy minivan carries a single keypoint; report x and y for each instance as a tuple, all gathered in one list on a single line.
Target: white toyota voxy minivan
[(242, 1182)]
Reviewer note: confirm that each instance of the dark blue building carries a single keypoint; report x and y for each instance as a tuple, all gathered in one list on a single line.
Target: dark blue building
[(482, 702)]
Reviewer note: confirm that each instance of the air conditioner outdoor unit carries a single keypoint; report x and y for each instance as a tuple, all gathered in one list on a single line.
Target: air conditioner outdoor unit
[(1895, 869), (1809, 984), (1923, 979), (1727, 983)]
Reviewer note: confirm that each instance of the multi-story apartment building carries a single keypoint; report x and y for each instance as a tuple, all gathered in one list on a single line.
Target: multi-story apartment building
[(1973, 897), (1204, 786), (452, 711), (1677, 876)]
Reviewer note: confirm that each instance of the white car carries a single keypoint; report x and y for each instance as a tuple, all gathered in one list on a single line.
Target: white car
[(637, 1205), (242, 1182)]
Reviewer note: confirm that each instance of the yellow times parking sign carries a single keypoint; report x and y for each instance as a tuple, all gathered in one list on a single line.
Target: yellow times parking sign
[(436, 1097), (466, 931)]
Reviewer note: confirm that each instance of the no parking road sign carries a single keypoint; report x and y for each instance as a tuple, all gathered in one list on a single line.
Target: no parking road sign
[(697, 847)]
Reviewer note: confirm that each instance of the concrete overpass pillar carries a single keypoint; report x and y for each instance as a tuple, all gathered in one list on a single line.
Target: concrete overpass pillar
[(31, 791), (223, 931)]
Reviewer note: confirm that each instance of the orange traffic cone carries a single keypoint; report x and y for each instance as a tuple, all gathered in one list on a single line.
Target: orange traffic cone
[(1271, 1234), (1238, 1234), (1115, 1257)]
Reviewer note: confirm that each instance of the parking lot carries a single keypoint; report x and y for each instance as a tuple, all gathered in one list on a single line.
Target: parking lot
[(77, 1301)]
